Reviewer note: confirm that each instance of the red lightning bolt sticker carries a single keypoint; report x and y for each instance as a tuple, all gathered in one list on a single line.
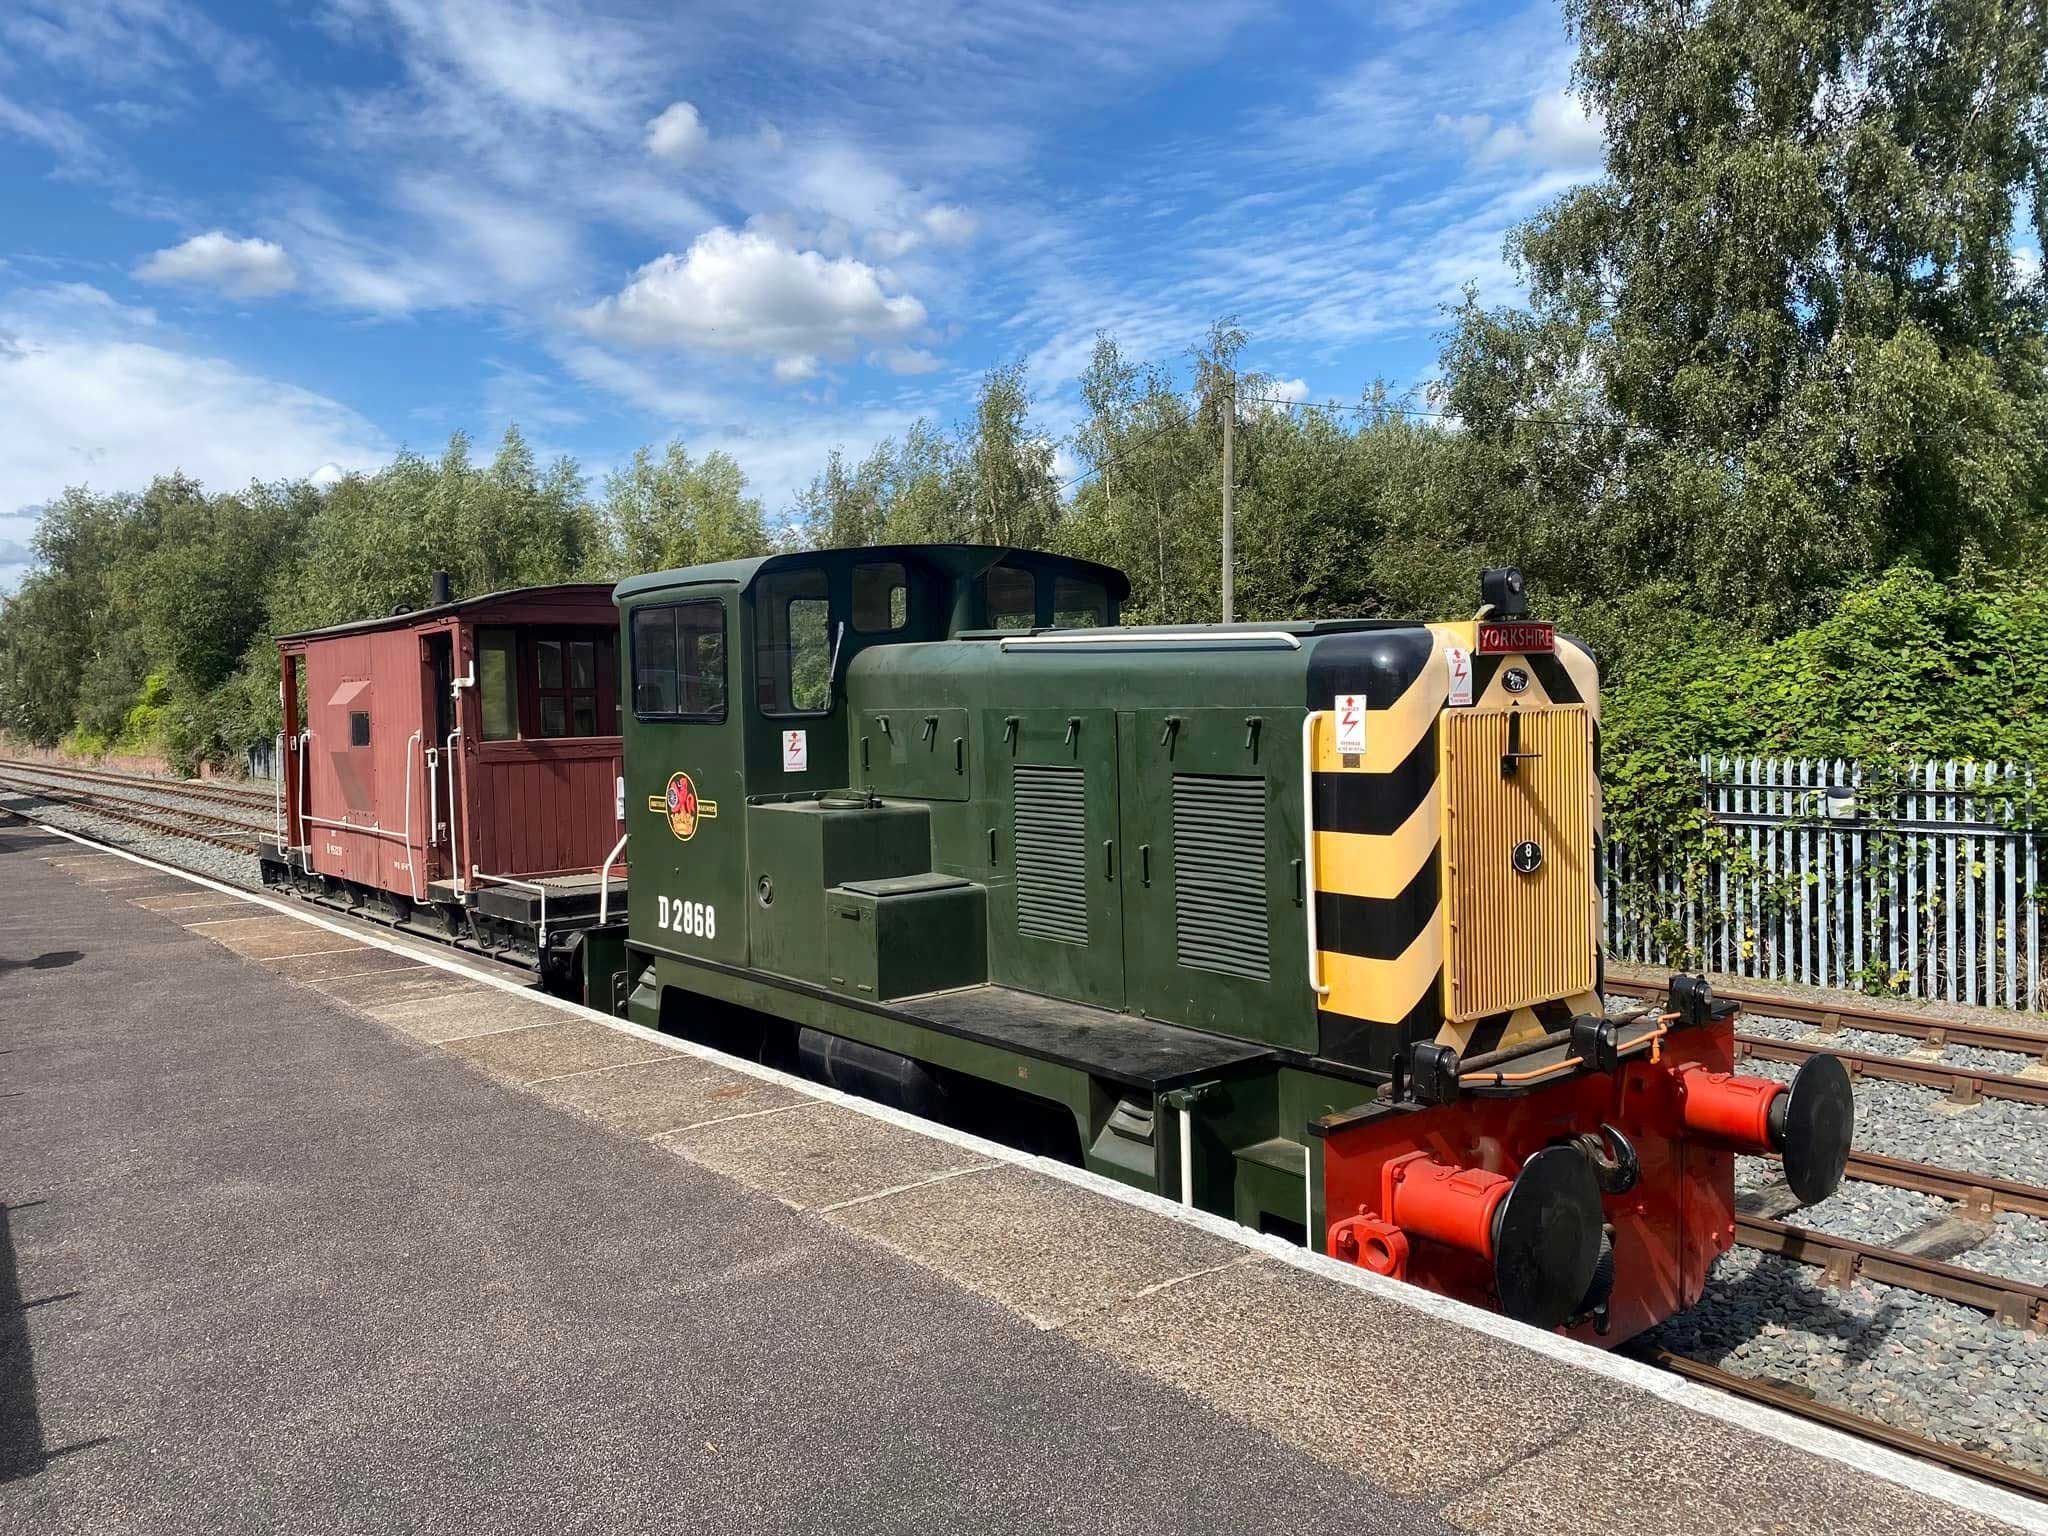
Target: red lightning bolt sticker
[(1350, 713), (1460, 662)]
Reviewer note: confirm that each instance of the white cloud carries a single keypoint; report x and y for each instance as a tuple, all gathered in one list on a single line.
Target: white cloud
[(97, 395), (56, 130), (907, 360), (243, 269), (794, 370), (1555, 134), (537, 58), (678, 134), (523, 247), (950, 225), (327, 474), (744, 291), (1279, 394), (943, 223)]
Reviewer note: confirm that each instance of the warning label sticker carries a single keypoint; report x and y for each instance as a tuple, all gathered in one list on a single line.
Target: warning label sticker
[(1350, 712), (1460, 662), (796, 751)]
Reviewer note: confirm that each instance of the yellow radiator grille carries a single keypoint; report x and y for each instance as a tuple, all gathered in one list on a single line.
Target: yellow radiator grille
[(1517, 939)]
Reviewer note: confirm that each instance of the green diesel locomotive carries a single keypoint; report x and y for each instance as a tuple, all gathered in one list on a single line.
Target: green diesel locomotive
[(1297, 922)]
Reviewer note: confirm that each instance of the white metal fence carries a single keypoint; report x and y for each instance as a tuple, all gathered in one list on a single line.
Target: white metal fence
[(1925, 885)]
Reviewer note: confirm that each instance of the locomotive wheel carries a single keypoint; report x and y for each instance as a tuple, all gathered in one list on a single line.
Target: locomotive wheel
[(1818, 1119), (1546, 1238)]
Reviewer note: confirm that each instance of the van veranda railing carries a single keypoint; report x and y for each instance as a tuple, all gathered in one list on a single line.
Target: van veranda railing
[(1921, 881)]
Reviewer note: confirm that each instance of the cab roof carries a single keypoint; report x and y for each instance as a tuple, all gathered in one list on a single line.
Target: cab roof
[(960, 561)]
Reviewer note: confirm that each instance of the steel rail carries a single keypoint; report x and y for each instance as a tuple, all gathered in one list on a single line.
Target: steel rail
[(1832, 1015), (1981, 1191), (1976, 1464), (67, 794), (119, 810), (2014, 1303), (1964, 1084), (220, 794)]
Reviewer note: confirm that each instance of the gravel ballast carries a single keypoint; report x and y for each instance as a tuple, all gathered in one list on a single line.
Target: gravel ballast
[(1927, 1366), (182, 852), (254, 818)]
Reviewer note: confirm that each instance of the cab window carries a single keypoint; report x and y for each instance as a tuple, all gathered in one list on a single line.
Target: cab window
[(881, 597), (679, 661), (793, 643), (1079, 604), (1012, 603)]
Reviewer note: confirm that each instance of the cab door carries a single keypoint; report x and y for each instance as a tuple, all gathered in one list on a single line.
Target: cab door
[(1213, 905), (1050, 778)]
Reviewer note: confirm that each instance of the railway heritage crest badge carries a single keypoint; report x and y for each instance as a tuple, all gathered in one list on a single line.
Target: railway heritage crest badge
[(682, 807)]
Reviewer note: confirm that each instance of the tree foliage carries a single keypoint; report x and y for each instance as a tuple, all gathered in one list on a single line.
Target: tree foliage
[(1785, 341)]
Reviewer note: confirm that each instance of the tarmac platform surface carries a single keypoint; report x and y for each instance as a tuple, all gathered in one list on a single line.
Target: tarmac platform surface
[(304, 1233)]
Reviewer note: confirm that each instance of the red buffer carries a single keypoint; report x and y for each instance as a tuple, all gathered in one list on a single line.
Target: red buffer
[(1596, 1201)]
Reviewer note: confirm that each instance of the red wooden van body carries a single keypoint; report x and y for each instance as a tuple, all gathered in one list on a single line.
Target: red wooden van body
[(457, 747)]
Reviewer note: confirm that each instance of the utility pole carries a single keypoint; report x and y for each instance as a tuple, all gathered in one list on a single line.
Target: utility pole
[(1230, 498)]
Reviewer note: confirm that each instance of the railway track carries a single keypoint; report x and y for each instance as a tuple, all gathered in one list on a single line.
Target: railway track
[(1963, 1084), (1828, 1017), (215, 831), (240, 796), (1793, 1401), (1920, 1260)]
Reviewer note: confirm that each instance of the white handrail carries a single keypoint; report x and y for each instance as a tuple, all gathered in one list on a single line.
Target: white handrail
[(604, 886), (1308, 853), (412, 860), (1218, 641), (433, 757), (305, 790), (454, 826), (278, 769)]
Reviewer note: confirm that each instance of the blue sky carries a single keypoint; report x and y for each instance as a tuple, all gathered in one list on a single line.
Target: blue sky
[(282, 239)]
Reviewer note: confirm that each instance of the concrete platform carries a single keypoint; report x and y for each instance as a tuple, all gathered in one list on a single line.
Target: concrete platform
[(305, 1232)]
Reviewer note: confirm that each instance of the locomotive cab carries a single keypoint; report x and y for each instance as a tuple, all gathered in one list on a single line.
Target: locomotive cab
[(1297, 922)]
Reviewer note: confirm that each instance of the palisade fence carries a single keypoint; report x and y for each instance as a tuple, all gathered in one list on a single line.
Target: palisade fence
[(1918, 880)]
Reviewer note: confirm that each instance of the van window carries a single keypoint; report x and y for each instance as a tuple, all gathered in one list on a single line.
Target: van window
[(679, 661), (570, 698), (793, 643), (497, 683)]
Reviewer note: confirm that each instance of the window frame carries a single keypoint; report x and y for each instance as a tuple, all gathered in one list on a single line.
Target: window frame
[(901, 583), (569, 694), (1099, 600), (724, 631), (487, 640), (765, 586), (988, 597)]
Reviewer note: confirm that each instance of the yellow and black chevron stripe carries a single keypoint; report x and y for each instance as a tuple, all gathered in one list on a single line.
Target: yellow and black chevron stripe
[(1377, 823), (1378, 826)]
